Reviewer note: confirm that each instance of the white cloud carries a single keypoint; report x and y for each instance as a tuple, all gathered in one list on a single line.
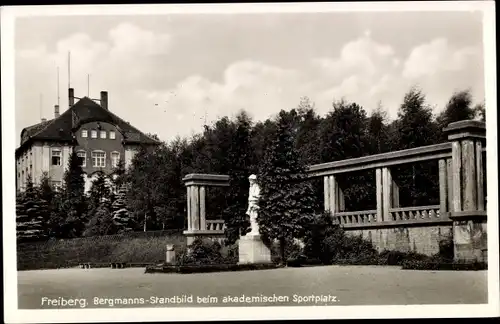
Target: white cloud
[(364, 71), (436, 56)]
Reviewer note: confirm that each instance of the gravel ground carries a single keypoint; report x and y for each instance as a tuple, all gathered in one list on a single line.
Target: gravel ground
[(328, 285)]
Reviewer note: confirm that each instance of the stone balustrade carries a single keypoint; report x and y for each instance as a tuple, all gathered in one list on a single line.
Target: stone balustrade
[(461, 192)]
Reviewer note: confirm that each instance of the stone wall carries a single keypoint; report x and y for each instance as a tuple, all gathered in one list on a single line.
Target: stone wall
[(422, 239)]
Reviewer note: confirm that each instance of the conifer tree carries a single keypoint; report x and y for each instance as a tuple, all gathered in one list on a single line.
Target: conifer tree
[(287, 201), (31, 215), (73, 205), (121, 217), (22, 219), (240, 157)]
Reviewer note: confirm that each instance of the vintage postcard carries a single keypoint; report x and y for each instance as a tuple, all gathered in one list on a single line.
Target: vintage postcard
[(212, 162)]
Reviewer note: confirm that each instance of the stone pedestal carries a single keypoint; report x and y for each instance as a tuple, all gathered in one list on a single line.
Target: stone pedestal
[(253, 250), (170, 254)]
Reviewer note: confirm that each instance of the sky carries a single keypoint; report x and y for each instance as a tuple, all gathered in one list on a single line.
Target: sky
[(168, 74)]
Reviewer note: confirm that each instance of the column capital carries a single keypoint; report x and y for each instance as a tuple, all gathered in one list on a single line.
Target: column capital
[(466, 129)]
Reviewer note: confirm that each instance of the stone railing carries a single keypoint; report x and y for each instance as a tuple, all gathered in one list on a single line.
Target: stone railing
[(462, 193), (215, 225), (356, 217), (420, 213)]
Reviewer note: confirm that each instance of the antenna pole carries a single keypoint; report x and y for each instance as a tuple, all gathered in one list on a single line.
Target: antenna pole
[(58, 98), (88, 85), (69, 70), (41, 99)]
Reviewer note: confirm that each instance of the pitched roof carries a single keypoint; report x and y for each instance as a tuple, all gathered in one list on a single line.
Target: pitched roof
[(84, 111)]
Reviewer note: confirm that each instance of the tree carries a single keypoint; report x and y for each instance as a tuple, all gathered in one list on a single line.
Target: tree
[(101, 223), (344, 135), (99, 196), (240, 157), (480, 112), (307, 139), (119, 175), (415, 127), (30, 214), (121, 217), (378, 131), (459, 107), (47, 195), (73, 205), (287, 201), (22, 219)]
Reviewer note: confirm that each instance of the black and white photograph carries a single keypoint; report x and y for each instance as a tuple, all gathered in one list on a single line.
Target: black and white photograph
[(218, 162)]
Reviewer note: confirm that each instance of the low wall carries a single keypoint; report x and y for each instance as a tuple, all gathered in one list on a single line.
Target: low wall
[(421, 238), (136, 247)]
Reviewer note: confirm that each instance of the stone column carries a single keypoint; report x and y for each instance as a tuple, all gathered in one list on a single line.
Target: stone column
[(203, 225), (468, 214), (195, 207), (326, 193), (443, 188), (379, 184), (333, 195), (387, 193), (189, 216)]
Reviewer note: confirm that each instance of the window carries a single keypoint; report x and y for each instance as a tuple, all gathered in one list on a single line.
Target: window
[(56, 157), (112, 135), (82, 157), (93, 133), (85, 133), (115, 158), (98, 159), (103, 134)]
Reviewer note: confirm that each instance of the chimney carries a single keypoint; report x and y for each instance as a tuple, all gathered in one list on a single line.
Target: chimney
[(71, 93), (104, 99), (56, 111), (44, 120)]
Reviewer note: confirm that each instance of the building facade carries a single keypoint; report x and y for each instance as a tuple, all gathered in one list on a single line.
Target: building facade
[(100, 138)]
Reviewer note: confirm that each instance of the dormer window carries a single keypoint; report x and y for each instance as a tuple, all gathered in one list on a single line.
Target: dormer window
[(93, 133), (103, 134), (85, 133)]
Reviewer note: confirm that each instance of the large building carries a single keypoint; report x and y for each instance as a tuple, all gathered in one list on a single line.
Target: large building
[(99, 137)]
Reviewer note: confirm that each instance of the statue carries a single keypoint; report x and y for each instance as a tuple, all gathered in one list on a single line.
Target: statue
[(253, 198)]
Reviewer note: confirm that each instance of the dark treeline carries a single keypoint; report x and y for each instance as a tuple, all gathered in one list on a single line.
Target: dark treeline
[(150, 195)]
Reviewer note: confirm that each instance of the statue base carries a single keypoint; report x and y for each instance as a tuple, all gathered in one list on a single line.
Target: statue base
[(252, 250)]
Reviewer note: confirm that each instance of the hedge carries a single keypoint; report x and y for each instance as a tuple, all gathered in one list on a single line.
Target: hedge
[(134, 247)]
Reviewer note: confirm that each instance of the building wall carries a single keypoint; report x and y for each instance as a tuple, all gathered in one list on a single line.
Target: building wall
[(38, 158), (106, 145), (420, 239)]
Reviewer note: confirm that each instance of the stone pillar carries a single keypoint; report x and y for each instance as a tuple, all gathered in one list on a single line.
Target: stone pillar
[(443, 188), (378, 182), (468, 214), (189, 216), (203, 225), (332, 184), (170, 254), (326, 193), (387, 193), (195, 207)]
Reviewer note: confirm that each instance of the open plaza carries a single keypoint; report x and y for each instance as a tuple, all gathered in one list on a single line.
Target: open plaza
[(322, 285)]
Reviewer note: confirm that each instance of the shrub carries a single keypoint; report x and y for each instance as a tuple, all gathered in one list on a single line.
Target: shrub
[(206, 252)]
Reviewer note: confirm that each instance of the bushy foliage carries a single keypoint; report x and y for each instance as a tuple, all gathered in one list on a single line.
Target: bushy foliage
[(203, 252)]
